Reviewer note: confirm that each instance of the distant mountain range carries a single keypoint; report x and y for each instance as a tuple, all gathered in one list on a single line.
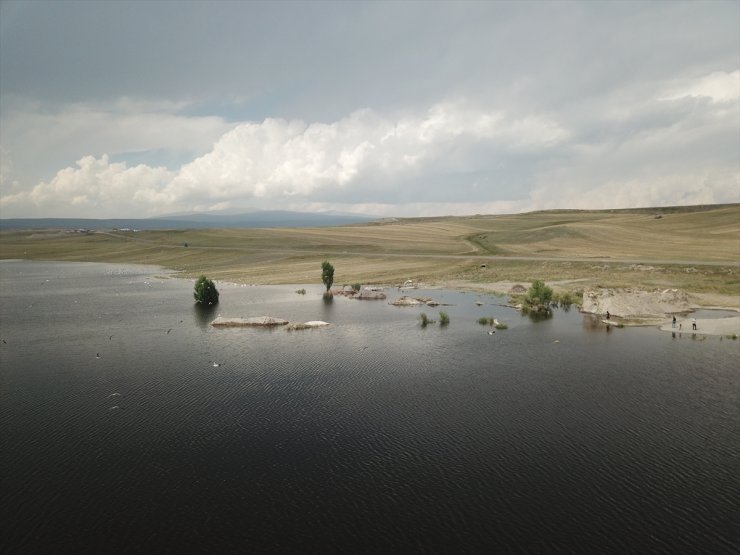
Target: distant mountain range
[(258, 218)]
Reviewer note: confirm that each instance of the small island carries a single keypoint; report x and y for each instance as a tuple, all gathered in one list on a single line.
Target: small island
[(256, 321)]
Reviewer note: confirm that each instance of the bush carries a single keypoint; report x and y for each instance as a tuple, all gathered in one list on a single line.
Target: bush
[(205, 291), (356, 286), (568, 298), (301, 291), (539, 293), (444, 319), (483, 321), (501, 326), (425, 321)]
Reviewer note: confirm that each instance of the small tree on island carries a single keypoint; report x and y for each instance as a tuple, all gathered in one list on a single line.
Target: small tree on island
[(539, 296), (327, 275), (205, 292)]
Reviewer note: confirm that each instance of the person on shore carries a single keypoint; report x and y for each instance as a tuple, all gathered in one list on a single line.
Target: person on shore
[(674, 322), (608, 315), (693, 323)]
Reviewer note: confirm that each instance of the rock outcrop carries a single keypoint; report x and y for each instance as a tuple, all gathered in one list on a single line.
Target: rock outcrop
[(414, 301), (308, 325), (257, 321), (407, 301), (370, 295), (635, 303)]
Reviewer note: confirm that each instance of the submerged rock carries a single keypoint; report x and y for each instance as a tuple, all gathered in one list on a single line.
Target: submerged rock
[(257, 321), (407, 301), (414, 301), (308, 325), (370, 295)]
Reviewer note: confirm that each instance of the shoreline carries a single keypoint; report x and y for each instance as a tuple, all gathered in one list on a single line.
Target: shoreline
[(727, 326)]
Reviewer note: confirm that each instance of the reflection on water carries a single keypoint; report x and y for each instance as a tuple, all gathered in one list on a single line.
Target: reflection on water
[(205, 314), (537, 315), (372, 435)]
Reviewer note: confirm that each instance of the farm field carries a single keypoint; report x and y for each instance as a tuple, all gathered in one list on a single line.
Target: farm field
[(696, 249)]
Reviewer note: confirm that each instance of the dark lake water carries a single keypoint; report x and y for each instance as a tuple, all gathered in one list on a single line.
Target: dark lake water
[(372, 436)]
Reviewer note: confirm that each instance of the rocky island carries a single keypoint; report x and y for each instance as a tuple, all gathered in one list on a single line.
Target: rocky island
[(257, 321)]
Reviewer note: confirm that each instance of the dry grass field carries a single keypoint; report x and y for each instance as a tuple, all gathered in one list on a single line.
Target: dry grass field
[(694, 248)]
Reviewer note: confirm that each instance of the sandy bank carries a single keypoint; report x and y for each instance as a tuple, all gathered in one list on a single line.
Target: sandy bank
[(706, 326)]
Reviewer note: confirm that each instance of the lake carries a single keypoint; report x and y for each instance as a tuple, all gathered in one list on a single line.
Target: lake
[(129, 424)]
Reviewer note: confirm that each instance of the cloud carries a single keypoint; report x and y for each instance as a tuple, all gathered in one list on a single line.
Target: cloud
[(359, 156), (719, 86), (40, 139), (484, 106), (95, 188), (455, 157), (279, 158), (658, 190), (364, 156)]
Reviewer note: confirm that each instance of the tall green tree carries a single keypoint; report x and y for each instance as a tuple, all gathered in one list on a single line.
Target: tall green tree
[(327, 274), (205, 291)]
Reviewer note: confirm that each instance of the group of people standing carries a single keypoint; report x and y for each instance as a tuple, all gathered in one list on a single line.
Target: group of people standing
[(693, 321), (693, 324)]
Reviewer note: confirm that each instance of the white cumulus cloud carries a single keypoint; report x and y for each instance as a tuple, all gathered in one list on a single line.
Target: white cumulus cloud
[(95, 187), (282, 159)]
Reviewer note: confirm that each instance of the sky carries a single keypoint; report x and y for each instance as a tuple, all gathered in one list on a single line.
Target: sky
[(139, 109)]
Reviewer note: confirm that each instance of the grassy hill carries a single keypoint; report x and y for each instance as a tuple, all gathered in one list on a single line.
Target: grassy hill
[(695, 248)]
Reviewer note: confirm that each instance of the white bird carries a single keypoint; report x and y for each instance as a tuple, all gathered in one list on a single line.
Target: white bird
[(215, 364), (114, 395)]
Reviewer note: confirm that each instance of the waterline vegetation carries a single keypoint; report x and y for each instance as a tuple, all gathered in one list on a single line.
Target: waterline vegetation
[(484, 321), (444, 319)]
